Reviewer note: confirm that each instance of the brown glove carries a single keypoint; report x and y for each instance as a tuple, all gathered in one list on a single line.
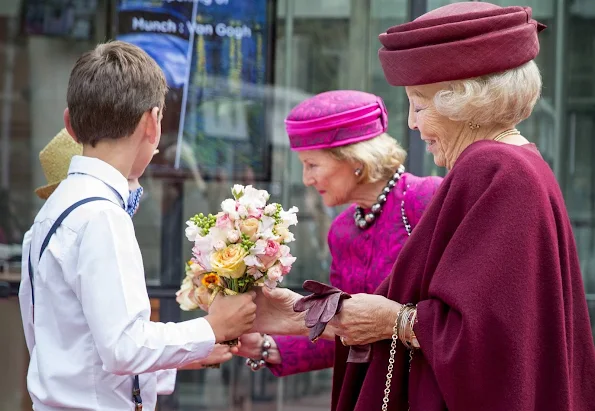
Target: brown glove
[(321, 306)]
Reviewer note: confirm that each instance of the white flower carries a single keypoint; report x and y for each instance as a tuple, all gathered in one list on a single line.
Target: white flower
[(268, 235), (237, 191), (253, 261), (218, 234), (204, 246), (270, 209), (289, 217), (229, 207), (255, 272), (219, 245), (258, 247), (192, 231), (233, 236), (286, 258), (185, 296), (266, 223), (275, 272), (283, 234), (254, 198), (274, 276), (242, 211)]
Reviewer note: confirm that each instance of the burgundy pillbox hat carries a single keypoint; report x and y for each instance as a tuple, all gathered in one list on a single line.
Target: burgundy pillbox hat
[(459, 41)]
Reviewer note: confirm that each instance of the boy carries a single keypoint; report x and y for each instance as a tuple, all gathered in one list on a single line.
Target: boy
[(88, 314)]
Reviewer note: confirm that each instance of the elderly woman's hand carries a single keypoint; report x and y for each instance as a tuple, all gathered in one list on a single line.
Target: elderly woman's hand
[(251, 347), (365, 318), (274, 312)]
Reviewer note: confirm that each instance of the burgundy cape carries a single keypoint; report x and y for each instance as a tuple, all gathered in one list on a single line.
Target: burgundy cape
[(502, 314)]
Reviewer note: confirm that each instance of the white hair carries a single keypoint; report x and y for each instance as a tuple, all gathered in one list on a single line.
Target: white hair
[(505, 98), (380, 157)]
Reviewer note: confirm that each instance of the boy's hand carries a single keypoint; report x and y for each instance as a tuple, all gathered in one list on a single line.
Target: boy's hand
[(232, 315), (220, 354)]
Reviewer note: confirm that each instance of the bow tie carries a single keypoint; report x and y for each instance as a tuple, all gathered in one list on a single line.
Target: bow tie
[(134, 201)]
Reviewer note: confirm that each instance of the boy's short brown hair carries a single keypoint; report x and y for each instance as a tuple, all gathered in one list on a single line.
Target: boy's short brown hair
[(109, 90)]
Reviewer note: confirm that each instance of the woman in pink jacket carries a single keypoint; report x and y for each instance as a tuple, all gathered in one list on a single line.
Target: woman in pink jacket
[(347, 156)]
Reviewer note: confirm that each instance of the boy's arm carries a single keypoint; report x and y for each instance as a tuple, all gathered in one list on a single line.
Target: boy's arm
[(25, 294), (110, 284)]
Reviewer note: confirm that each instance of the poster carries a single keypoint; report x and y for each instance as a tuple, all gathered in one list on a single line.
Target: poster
[(215, 55)]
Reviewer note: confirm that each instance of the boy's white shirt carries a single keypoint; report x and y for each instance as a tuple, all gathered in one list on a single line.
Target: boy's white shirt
[(91, 330)]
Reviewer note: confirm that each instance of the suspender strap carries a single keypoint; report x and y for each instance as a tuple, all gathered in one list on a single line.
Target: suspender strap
[(52, 231), (136, 398)]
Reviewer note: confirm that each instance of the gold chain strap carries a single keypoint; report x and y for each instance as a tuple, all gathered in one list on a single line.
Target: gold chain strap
[(391, 363), (403, 317)]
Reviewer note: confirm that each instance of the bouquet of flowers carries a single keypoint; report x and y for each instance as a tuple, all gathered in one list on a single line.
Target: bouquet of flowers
[(242, 246)]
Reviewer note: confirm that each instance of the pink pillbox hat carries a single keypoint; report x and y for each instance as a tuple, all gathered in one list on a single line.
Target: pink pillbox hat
[(336, 118)]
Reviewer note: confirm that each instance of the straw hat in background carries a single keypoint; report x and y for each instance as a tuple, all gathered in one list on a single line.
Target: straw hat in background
[(55, 161)]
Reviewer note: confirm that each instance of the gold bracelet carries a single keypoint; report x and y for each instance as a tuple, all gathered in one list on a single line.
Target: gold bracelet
[(403, 321), (412, 337)]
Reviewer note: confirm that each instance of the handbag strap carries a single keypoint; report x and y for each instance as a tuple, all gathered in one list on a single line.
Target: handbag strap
[(136, 397)]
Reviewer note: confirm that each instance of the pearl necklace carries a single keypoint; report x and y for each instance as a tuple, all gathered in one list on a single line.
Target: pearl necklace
[(363, 220)]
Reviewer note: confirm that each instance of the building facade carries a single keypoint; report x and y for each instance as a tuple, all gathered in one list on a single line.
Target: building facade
[(309, 46)]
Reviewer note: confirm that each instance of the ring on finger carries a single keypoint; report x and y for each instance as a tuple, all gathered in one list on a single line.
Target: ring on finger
[(343, 341)]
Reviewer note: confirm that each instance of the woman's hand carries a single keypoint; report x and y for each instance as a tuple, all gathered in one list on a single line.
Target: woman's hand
[(274, 312), (220, 354), (365, 318), (251, 347)]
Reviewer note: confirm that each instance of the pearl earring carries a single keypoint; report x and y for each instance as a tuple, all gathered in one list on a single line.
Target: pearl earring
[(358, 172)]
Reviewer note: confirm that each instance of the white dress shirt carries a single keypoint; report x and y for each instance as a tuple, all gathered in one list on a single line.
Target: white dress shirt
[(89, 331)]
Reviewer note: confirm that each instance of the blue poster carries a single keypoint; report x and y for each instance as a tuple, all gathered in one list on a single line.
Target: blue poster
[(215, 55)]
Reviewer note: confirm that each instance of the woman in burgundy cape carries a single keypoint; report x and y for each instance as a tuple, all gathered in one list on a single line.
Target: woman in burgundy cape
[(485, 308)]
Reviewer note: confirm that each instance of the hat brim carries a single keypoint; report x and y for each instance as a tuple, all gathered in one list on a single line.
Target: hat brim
[(45, 191)]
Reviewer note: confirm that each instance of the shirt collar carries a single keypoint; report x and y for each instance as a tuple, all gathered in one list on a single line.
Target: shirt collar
[(102, 171)]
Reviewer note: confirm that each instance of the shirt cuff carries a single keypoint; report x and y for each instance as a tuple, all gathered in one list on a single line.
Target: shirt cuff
[(166, 381), (203, 346)]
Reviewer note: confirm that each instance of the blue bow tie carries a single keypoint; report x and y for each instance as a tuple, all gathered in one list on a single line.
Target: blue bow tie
[(134, 201)]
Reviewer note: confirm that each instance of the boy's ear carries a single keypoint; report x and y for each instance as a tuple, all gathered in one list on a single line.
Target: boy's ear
[(153, 124), (68, 125)]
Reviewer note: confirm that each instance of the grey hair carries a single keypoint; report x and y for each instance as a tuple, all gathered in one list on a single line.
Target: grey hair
[(505, 98), (380, 157)]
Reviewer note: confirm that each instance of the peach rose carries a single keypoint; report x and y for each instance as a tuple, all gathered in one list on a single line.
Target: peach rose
[(249, 227)]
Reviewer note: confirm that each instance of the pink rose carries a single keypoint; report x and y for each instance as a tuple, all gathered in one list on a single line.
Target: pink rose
[(271, 254), (223, 221), (272, 248), (285, 269), (255, 212)]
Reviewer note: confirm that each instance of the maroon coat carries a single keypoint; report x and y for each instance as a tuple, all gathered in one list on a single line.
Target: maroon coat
[(502, 314)]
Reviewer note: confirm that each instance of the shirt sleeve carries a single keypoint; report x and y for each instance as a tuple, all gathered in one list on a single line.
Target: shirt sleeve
[(25, 302), (110, 284), (299, 354), (166, 381)]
